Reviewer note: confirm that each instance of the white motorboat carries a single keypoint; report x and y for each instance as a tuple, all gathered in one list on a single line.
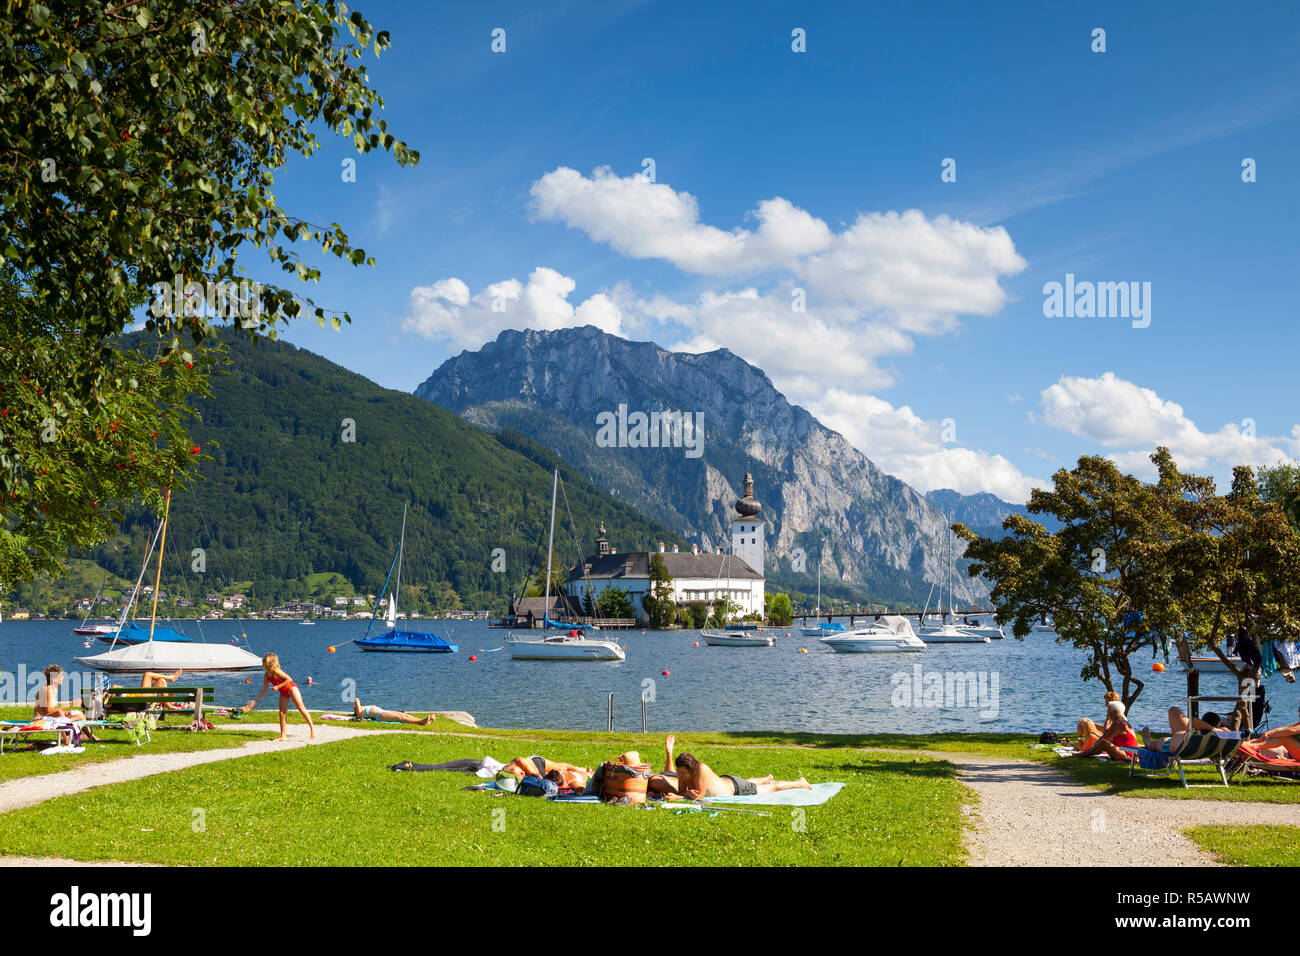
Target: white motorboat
[(1210, 664), (892, 634), (738, 638), (828, 629), (571, 644), (951, 634)]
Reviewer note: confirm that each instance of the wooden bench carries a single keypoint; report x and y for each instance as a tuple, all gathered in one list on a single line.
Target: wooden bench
[(128, 700)]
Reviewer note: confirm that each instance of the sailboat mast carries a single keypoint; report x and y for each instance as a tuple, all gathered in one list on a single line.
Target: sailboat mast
[(162, 538), (550, 544), (401, 547)]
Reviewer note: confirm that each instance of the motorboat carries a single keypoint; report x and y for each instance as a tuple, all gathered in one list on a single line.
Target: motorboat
[(825, 629), (738, 638), (891, 634)]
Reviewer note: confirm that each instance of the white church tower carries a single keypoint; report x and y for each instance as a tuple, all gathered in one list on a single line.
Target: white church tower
[(748, 529)]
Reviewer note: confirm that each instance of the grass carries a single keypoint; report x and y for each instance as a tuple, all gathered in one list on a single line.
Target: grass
[(176, 738), (1112, 778), (340, 805), (1250, 845)]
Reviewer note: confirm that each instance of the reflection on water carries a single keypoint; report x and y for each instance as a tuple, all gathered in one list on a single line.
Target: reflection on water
[(1029, 685)]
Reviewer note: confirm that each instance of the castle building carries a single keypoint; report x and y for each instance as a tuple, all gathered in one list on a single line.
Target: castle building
[(697, 576)]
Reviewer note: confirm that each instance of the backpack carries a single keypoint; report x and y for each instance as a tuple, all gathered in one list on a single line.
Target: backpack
[(538, 787), (1049, 737)]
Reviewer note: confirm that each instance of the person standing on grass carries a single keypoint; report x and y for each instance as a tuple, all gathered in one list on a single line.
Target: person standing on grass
[(277, 678)]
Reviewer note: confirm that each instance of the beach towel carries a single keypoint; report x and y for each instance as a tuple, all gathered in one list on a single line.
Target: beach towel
[(819, 794)]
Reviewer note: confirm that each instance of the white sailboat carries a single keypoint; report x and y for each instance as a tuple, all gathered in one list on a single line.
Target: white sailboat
[(945, 633), (568, 644), (890, 635), (158, 655)]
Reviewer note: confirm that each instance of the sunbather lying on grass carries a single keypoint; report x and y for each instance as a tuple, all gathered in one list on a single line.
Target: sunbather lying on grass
[(1181, 725), (696, 780), (1284, 742), (565, 774), (1110, 737), (660, 783), (375, 712)]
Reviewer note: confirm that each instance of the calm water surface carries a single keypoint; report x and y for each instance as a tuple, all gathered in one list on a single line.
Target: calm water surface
[(707, 688)]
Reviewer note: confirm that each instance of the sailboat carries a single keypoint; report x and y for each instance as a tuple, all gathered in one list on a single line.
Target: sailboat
[(570, 644), (891, 635), (736, 635), (94, 630), (825, 628), (155, 654), (943, 632), (417, 642)]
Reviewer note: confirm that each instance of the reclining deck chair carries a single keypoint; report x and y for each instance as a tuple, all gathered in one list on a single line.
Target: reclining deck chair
[(1215, 748), (1250, 758)]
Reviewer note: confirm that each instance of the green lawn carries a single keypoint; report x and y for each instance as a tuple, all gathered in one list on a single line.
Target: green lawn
[(339, 805), (175, 738), (1250, 845)]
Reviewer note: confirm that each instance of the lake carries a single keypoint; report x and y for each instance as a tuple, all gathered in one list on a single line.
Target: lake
[(1029, 685)]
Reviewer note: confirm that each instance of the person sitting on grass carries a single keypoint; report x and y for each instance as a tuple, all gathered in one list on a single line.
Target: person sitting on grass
[(1111, 736), (277, 678), (696, 780), (1283, 743), (1181, 725), (568, 774), (375, 712), (47, 701)]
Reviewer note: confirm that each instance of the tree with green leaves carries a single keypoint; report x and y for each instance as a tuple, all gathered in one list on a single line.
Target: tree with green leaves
[(658, 602), (1280, 485), (1103, 576), (723, 610), (139, 141), (1139, 566), (614, 602), (778, 609)]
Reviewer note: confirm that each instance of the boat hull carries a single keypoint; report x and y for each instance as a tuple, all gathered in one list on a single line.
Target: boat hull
[(873, 645), (951, 636), (566, 651), (170, 656), (737, 639)]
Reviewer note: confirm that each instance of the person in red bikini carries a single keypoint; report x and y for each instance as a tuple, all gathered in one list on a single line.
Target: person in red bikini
[(277, 678), (1110, 737)]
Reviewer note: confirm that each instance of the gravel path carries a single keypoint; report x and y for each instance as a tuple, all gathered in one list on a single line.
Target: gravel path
[(1032, 815)]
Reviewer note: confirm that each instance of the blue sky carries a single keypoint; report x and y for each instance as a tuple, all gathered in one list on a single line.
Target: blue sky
[(1122, 166)]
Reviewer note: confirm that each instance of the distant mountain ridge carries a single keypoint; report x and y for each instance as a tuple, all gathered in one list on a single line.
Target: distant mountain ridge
[(982, 512), (820, 495)]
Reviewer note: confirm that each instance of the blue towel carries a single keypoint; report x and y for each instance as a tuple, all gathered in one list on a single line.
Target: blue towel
[(819, 794)]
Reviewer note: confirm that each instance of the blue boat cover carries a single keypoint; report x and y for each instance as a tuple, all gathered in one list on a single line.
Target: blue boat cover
[(569, 627), (133, 632), (408, 640)]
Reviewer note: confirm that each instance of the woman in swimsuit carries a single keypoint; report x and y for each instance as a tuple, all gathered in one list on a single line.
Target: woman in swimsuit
[(375, 712), (277, 678), (1116, 733), (522, 767)]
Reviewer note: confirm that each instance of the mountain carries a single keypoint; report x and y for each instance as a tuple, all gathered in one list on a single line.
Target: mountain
[(983, 513), (817, 491), (287, 497)]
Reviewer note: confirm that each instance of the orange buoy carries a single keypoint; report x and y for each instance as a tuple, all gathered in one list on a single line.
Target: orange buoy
[(331, 650), (1158, 667), (666, 674), (697, 643), (473, 657)]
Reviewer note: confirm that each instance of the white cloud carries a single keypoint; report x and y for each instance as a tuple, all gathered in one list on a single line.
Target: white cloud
[(445, 310), (1116, 413), (912, 449)]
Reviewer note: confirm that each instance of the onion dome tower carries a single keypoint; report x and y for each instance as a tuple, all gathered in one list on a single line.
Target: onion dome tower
[(748, 529)]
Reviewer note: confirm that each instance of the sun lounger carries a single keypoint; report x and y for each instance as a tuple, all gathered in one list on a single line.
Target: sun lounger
[(1215, 748), (1250, 758), (67, 732)]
